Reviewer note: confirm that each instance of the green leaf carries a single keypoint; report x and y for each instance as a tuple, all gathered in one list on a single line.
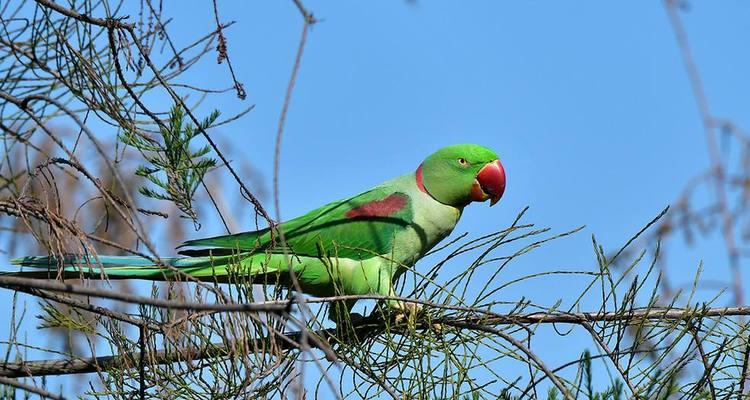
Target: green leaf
[(175, 171)]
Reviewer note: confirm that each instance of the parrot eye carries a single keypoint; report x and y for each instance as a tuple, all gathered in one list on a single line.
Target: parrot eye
[(462, 161)]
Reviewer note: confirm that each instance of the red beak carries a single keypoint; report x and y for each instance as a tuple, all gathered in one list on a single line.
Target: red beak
[(490, 183)]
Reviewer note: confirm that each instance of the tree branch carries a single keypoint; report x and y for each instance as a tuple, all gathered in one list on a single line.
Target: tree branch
[(368, 326)]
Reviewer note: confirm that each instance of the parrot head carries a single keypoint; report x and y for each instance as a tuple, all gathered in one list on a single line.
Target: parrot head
[(460, 174)]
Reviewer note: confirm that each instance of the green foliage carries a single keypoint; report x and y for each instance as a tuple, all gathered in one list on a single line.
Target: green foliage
[(55, 317), (7, 392), (174, 167), (614, 392)]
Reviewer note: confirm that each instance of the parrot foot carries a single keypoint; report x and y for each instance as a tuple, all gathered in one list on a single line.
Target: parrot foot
[(406, 312), (438, 329), (409, 312)]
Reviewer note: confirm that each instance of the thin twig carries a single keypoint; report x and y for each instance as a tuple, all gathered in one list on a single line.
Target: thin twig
[(29, 388)]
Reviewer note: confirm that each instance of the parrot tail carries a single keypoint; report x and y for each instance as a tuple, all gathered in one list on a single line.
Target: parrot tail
[(118, 267)]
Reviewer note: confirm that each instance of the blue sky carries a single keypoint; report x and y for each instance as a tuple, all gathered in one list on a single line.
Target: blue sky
[(586, 102)]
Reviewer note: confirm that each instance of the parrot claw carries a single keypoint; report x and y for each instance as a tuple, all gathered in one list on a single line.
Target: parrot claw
[(438, 329), (407, 313)]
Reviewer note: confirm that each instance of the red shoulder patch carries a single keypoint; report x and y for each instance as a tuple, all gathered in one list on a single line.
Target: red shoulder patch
[(379, 208)]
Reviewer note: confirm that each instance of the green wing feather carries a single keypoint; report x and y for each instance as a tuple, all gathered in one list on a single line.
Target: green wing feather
[(359, 228)]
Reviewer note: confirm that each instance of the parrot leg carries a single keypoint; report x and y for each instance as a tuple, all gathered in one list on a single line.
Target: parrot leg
[(407, 312)]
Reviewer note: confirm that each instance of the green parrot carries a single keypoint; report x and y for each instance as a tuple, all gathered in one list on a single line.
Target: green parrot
[(356, 246)]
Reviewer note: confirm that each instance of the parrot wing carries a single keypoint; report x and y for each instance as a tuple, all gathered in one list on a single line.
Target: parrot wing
[(359, 228)]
